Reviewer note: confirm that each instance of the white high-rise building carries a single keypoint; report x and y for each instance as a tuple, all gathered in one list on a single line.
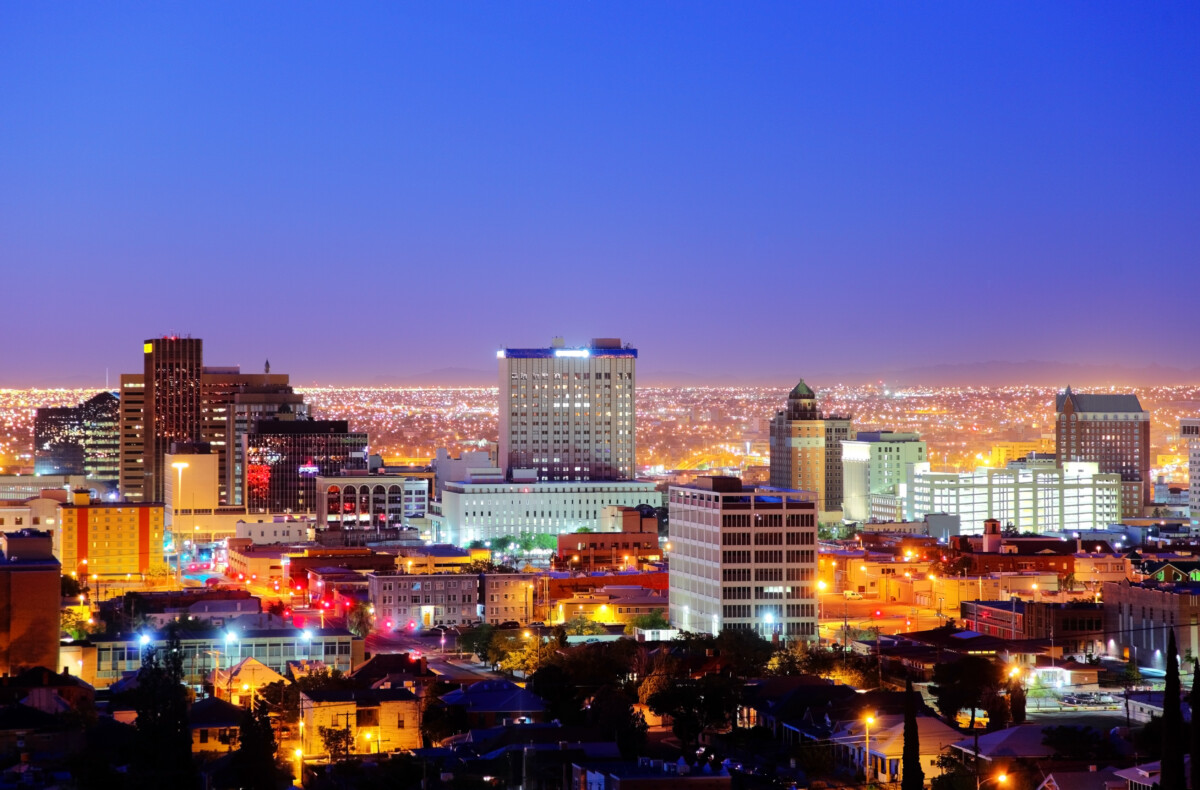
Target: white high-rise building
[(874, 463), (568, 413), (743, 557), (1189, 431)]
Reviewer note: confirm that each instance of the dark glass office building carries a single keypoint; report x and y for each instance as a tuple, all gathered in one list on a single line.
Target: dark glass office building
[(80, 440), (284, 458)]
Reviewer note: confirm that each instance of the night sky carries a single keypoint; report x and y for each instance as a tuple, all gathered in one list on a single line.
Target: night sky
[(370, 192)]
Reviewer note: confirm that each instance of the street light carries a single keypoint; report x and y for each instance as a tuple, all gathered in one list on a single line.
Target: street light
[(998, 779), (867, 750), (820, 602)]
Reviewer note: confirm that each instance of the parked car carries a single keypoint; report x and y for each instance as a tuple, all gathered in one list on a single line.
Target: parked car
[(853, 595), (509, 624)]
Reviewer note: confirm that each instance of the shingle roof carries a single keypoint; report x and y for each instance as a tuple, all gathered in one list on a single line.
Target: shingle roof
[(495, 696), (1094, 402)]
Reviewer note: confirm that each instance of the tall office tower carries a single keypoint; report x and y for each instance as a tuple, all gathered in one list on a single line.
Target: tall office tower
[(1189, 431), (284, 458), (743, 557), (873, 462), (179, 399), (569, 413), (132, 482), (806, 450), (57, 441), (1112, 431), (79, 440), (231, 403), (171, 411)]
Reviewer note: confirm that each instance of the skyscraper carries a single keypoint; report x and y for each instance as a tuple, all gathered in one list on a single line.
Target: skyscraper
[(284, 458), (178, 399), (171, 409), (569, 413), (1112, 431), (806, 449), (1189, 432), (743, 557), (83, 439)]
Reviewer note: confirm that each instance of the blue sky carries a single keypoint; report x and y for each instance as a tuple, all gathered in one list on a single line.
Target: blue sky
[(761, 191)]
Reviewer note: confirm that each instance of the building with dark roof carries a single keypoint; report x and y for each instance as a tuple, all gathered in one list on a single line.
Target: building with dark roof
[(30, 579), (380, 720), (806, 448), (1112, 430)]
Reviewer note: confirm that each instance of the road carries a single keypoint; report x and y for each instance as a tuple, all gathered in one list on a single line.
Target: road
[(836, 611)]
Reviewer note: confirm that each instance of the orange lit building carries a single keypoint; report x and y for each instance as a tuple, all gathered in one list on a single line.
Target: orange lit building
[(108, 539), (29, 602)]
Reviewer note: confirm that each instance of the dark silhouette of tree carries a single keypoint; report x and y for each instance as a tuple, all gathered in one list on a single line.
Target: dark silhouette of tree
[(695, 706), (612, 712), (1075, 743), (913, 776), (164, 755), (337, 742), (1194, 730), (1016, 703), (254, 765), (1172, 774)]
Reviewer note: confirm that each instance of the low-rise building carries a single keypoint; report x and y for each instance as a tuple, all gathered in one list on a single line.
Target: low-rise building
[(30, 579), (508, 597), (628, 540), (439, 558), (614, 604), (215, 724), (420, 600), (1139, 615), (276, 530), (379, 720), (111, 539)]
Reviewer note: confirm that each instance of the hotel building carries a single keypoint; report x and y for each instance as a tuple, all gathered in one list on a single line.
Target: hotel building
[(806, 450), (109, 539), (568, 413), (743, 557), (1112, 431)]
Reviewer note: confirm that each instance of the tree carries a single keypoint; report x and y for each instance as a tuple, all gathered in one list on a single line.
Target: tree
[(1075, 743), (611, 712), (164, 737), (1016, 703), (358, 620), (439, 721), (478, 640), (1172, 744), (913, 775), (1194, 729), (69, 587), (656, 620), (529, 657), (581, 626), (696, 705), (254, 763), (337, 742)]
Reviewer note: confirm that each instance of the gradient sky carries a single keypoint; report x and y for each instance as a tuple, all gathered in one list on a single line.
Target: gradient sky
[(371, 191)]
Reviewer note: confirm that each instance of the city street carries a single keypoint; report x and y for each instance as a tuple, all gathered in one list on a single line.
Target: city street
[(837, 612)]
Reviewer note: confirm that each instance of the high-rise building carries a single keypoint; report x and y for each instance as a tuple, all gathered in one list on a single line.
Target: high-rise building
[(569, 413), (1189, 431), (284, 458), (743, 557), (178, 399), (806, 450), (874, 462), (1112, 431), (79, 440)]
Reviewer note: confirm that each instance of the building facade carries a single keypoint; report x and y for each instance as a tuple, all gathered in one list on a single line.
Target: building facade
[(569, 413), (80, 440), (1029, 497), (806, 450), (285, 457), (30, 600), (108, 539), (471, 511), (743, 558), (1138, 615), (376, 501), (1112, 431), (1189, 432), (874, 463), (423, 600)]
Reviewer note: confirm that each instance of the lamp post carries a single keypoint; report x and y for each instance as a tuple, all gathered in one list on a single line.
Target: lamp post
[(178, 466), (820, 599), (299, 755), (867, 748), (769, 619), (998, 779)]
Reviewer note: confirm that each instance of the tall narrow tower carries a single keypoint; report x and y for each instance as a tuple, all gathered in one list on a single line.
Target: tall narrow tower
[(806, 449), (172, 367)]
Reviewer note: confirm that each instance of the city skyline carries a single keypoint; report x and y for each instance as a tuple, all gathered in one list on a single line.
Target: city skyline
[(976, 183)]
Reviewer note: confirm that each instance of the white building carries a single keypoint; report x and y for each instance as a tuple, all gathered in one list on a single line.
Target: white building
[(473, 510), (568, 413), (1189, 431), (423, 600), (743, 558), (374, 501), (448, 468), (1030, 497), (874, 463), (278, 529)]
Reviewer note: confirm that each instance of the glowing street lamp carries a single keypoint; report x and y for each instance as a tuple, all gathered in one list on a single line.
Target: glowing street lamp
[(867, 748)]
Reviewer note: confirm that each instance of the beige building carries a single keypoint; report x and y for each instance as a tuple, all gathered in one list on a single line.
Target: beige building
[(614, 604), (380, 720), (422, 599), (509, 597), (111, 539), (806, 450)]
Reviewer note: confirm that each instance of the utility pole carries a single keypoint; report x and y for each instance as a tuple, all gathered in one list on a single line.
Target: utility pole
[(879, 657)]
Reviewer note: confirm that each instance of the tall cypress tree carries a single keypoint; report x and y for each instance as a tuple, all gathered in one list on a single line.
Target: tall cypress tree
[(1172, 738), (912, 776), (1194, 703)]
